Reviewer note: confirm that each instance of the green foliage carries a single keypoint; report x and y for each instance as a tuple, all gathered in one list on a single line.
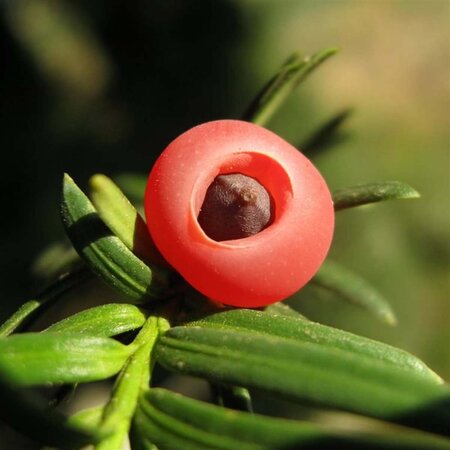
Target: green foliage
[(355, 289), (135, 376), (104, 252), (282, 309), (277, 350), (306, 372), (289, 76), (297, 329), (125, 222), (90, 417), (328, 135), (46, 298), (28, 415), (43, 358), (133, 186), (102, 321), (372, 193), (174, 421)]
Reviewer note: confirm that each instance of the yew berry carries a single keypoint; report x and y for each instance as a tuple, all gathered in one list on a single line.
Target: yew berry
[(241, 214)]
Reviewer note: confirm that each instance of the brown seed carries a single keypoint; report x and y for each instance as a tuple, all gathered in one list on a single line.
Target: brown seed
[(235, 206)]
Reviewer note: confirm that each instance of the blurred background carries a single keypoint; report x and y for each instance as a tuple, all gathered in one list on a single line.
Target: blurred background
[(104, 86)]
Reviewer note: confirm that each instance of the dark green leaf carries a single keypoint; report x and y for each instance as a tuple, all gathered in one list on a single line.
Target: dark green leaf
[(169, 433), (174, 421), (105, 253), (51, 358), (138, 441), (290, 75), (308, 331), (30, 310), (123, 220), (355, 289), (326, 136), (233, 397), (101, 321), (25, 413), (308, 373), (372, 193)]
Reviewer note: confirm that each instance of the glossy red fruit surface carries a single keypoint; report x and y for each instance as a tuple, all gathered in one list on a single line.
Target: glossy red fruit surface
[(253, 271)]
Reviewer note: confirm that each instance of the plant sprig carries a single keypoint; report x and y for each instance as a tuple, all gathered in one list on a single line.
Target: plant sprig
[(276, 350), (289, 76)]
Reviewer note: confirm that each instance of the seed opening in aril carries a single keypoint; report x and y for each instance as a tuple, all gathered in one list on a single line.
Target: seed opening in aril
[(236, 206)]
